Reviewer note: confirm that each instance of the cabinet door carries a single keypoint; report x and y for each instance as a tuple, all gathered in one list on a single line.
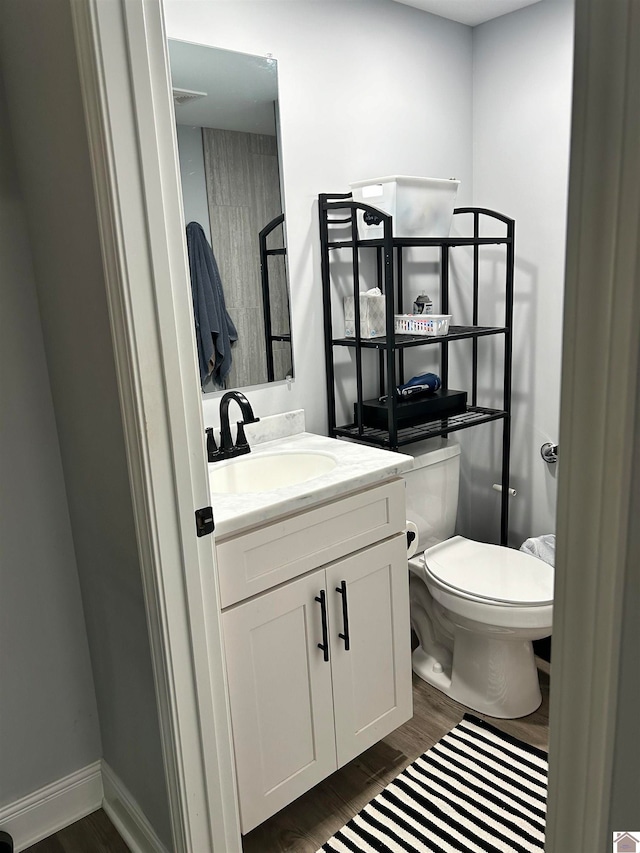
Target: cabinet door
[(280, 696), (372, 679)]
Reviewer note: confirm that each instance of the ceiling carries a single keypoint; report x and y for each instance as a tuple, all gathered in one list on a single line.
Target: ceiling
[(470, 12), (238, 91)]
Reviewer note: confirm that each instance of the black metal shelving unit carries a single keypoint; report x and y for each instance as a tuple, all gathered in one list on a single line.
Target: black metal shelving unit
[(338, 231), (265, 254)]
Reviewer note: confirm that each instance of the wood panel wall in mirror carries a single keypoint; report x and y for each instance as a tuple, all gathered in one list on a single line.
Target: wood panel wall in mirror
[(226, 108)]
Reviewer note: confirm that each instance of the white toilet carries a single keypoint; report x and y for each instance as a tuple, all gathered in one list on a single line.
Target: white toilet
[(475, 608)]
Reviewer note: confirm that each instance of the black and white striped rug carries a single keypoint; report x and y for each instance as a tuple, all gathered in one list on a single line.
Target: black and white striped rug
[(477, 790)]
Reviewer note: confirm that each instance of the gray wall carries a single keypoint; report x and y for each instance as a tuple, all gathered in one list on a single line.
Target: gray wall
[(47, 120), (522, 88), (243, 191), (48, 716)]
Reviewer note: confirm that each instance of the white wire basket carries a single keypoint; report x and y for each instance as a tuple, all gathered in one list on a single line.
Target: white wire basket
[(422, 324)]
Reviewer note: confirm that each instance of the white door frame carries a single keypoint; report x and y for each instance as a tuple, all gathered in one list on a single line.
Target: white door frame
[(124, 70), (121, 47), (599, 433)]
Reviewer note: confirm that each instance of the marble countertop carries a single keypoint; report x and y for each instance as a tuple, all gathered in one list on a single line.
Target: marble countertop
[(358, 466)]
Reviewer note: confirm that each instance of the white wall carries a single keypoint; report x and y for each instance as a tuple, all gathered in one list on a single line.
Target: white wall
[(47, 123), (194, 189), (522, 84), (367, 88), (48, 716), (380, 88)]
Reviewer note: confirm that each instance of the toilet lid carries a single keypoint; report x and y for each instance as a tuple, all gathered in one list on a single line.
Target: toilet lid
[(491, 572)]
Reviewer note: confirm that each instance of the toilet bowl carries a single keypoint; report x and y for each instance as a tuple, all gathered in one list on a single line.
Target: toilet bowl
[(475, 607)]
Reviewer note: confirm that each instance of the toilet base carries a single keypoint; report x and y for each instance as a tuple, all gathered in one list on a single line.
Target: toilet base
[(492, 676)]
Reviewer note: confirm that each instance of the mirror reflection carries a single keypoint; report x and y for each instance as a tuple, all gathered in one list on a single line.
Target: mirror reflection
[(226, 108)]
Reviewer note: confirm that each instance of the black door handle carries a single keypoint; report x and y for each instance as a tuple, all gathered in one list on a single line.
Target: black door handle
[(342, 589), (324, 645)]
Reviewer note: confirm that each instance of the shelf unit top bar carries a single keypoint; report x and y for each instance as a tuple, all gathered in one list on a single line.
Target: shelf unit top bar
[(346, 203)]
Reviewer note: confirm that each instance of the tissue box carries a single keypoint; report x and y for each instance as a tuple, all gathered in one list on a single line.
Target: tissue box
[(372, 316), (420, 207)]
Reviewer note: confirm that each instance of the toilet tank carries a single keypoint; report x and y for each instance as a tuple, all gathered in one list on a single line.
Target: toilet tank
[(432, 489)]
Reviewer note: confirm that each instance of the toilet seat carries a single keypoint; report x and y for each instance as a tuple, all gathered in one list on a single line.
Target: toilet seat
[(489, 573)]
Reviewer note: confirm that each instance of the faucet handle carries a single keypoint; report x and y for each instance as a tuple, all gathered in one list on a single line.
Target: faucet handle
[(242, 445), (213, 454)]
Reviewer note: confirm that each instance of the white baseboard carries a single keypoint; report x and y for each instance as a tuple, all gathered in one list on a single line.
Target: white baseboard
[(53, 807), (62, 803), (127, 816)]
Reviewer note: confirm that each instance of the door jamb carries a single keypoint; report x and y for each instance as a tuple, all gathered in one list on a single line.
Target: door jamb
[(122, 59)]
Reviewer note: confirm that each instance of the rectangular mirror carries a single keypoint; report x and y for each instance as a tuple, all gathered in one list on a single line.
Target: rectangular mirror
[(226, 108)]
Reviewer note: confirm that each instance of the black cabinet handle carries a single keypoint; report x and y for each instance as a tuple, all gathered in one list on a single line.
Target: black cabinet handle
[(324, 645), (342, 589)]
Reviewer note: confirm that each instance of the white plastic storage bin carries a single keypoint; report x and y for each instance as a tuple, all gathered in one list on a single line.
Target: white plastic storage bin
[(432, 325), (420, 207)]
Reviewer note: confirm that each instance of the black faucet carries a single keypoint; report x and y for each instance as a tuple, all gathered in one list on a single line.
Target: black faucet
[(227, 448)]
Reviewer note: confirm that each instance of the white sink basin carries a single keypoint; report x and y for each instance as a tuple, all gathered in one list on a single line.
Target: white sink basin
[(265, 472)]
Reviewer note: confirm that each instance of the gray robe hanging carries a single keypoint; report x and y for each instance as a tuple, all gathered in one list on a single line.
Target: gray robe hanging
[(215, 332)]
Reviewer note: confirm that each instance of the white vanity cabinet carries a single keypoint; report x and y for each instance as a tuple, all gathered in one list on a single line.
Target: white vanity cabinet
[(281, 697), (308, 692)]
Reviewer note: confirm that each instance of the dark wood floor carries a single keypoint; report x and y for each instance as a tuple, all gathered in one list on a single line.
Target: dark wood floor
[(92, 834), (312, 819)]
